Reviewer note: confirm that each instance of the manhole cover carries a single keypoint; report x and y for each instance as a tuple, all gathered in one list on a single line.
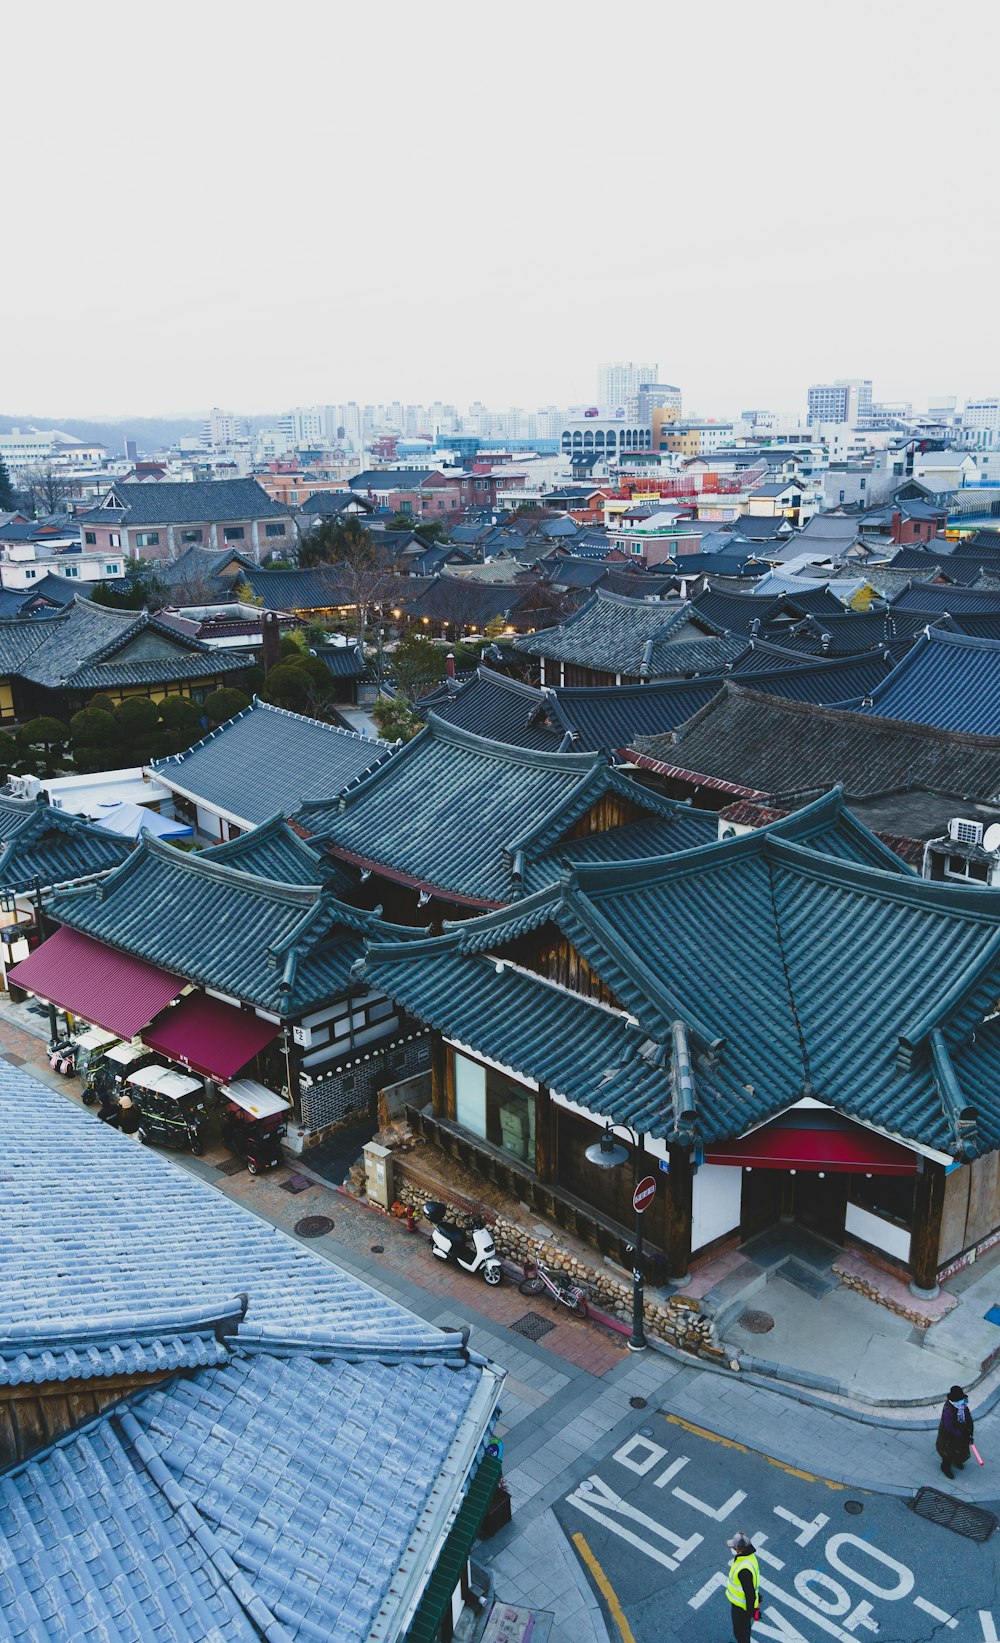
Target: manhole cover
[(313, 1226), (637, 1403), (533, 1326), (230, 1166), (970, 1521), (296, 1183), (756, 1323), (854, 1507), (377, 1249)]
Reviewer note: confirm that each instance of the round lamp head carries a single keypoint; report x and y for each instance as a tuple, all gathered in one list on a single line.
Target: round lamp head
[(606, 1153)]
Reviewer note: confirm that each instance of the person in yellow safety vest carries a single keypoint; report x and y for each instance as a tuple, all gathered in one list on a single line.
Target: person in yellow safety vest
[(743, 1587)]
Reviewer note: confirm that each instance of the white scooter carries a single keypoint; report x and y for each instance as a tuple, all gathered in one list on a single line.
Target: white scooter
[(450, 1243)]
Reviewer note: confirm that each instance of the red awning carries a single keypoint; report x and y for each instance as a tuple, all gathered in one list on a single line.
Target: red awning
[(848, 1151), (210, 1037), (107, 988)]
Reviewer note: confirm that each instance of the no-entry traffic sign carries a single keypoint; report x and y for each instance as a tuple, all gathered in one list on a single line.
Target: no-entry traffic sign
[(644, 1194)]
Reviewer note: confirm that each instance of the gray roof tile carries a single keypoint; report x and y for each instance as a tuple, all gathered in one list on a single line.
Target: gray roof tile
[(167, 502), (267, 759)]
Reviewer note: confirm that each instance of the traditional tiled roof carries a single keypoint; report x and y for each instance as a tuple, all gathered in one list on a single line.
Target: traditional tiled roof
[(851, 633), (38, 842), (746, 613), (273, 1489), (171, 503), (946, 679), (800, 961), (285, 948), (927, 600), (759, 747), (977, 625), (465, 816), (467, 602), (20, 638), (273, 850), (320, 588), (343, 661), (268, 759), (82, 649), (492, 705), (631, 637)]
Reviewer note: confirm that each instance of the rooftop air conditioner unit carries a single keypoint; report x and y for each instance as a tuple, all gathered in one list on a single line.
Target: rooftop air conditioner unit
[(965, 832)]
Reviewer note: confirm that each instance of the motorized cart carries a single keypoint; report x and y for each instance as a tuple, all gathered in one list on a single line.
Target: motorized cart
[(254, 1120), (171, 1107), (89, 1047)]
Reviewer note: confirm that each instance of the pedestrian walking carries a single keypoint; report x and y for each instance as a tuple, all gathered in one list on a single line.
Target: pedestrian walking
[(129, 1118), (955, 1431), (743, 1587)]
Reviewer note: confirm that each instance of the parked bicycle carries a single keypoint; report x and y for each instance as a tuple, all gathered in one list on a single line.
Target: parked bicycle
[(559, 1285)]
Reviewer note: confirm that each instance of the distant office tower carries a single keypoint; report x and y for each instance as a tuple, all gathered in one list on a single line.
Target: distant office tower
[(131, 451), (849, 399), (309, 425), (618, 383), (981, 420), (224, 428), (657, 396)]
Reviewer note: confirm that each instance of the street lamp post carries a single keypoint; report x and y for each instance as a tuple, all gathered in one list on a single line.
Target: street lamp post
[(607, 1154)]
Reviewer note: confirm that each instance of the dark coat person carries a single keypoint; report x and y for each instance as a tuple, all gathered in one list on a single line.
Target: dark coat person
[(955, 1432)]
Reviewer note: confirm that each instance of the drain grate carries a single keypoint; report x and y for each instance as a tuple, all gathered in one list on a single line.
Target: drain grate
[(313, 1226), (853, 1507), (296, 1183), (638, 1403), (755, 1323), (533, 1326), (230, 1166), (970, 1521)]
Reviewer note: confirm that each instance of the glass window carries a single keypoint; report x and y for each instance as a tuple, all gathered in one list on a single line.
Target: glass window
[(90, 537), (234, 533), (191, 536), (890, 1196), (274, 530), (495, 1107), (146, 539)]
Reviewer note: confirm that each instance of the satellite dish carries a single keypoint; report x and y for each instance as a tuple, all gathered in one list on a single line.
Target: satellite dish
[(991, 838)]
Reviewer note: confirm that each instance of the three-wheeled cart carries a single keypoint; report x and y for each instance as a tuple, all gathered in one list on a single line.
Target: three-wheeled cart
[(254, 1120), (90, 1047), (171, 1107)]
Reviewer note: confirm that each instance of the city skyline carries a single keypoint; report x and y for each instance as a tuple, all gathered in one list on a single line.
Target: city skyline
[(237, 267)]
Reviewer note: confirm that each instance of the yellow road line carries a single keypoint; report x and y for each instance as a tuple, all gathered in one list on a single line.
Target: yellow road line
[(606, 1589), (744, 1449)]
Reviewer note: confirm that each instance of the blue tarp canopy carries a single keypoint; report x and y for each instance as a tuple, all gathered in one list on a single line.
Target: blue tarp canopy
[(131, 819)]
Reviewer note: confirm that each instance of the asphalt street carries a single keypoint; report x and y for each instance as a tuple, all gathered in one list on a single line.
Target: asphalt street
[(650, 1522)]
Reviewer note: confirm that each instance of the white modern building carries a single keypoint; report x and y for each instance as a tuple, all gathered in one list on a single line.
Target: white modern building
[(619, 381), (849, 399), (981, 421)]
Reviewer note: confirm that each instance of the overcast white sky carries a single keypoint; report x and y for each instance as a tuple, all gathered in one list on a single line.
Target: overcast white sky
[(259, 205)]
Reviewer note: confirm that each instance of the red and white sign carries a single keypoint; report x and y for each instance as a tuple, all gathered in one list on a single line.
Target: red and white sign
[(644, 1194)]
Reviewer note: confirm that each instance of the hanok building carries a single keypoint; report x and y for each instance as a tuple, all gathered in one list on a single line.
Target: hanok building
[(56, 665), (456, 823), (158, 520), (264, 760), (260, 983), (793, 1024), (171, 1369), (611, 640)]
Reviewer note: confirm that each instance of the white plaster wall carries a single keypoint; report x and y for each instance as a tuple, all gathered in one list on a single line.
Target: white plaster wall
[(884, 1235), (716, 1193)]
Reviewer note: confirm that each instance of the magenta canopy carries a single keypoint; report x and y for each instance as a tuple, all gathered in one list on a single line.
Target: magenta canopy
[(107, 988), (210, 1037)]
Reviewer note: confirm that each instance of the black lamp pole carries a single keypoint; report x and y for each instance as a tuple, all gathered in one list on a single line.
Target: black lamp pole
[(607, 1154)]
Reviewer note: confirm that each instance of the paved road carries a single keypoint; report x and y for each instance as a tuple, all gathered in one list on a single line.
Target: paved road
[(650, 1520), (581, 1466)]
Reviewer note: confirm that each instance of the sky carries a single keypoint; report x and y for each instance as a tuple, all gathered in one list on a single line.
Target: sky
[(256, 206)]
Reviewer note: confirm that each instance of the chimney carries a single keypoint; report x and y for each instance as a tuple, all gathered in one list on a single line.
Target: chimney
[(450, 665), (271, 636)]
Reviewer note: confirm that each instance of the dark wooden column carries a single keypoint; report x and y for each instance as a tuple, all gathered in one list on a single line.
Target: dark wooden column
[(545, 1136), (925, 1238), (442, 1079), (677, 1217)]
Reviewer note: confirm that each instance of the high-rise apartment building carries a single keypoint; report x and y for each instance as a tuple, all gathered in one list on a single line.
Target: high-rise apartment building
[(849, 399), (224, 428), (619, 381), (308, 425), (981, 421)]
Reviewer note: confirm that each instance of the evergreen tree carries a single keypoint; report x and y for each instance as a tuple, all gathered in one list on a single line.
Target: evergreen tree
[(7, 503)]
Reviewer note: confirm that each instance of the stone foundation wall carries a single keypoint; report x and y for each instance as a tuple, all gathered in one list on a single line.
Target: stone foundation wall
[(676, 1322)]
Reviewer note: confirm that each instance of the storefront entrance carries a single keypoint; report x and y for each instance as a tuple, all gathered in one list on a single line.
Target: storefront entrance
[(813, 1201)]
